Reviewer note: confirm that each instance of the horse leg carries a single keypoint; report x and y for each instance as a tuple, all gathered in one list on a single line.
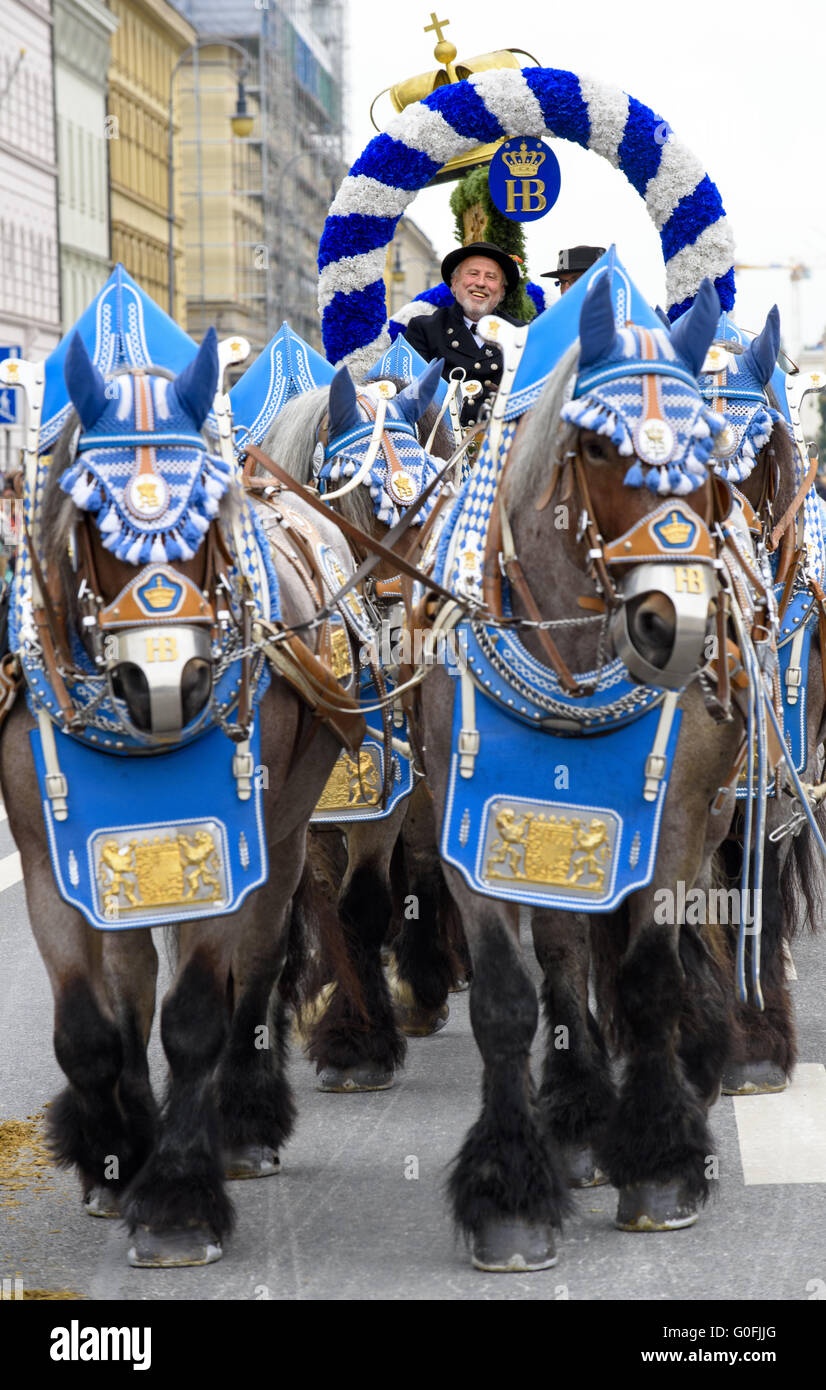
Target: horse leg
[(656, 1144), (177, 1207), (424, 966), (577, 1092), (254, 1096), (508, 1186), (130, 967), (89, 1128), (356, 1044)]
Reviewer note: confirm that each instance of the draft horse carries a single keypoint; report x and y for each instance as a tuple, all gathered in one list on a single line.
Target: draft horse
[(168, 519), (635, 402), (370, 469)]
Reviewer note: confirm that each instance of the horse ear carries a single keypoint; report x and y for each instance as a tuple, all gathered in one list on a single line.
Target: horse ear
[(597, 328), (416, 397), (85, 384), (195, 386), (761, 354), (342, 408), (693, 334), (662, 316)]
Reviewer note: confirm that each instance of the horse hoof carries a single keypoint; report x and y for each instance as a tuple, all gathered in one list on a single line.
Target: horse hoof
[(582, 1167), (422, 1023), (251, 1161), (368, 1076), (191, 1245), (513, 1247), (102, 1201), (459, 986), (753, 1079), (653, 1206)]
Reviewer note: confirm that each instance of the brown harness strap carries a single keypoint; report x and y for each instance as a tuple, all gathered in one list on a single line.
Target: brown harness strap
[(355, 533), (794, 506)]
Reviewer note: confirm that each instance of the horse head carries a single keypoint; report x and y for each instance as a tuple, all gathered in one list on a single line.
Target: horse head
[(632, 474), (131, 496), (361, 445)]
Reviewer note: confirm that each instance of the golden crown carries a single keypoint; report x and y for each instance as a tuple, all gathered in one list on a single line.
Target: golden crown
[(523, 163), (402, 94), (158, 595), (676, 532)]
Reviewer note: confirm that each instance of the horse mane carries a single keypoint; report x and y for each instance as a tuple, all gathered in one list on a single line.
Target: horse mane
[(541, 442), (292, 438)]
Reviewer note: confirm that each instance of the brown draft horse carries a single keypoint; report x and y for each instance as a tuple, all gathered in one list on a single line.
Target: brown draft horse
[(649, 1131), (228, 1105)]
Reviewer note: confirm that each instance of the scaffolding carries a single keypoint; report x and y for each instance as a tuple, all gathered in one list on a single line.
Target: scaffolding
[(284, 175)]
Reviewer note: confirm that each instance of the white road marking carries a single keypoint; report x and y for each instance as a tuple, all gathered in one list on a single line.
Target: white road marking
[(10, 871), (791, 972), (783, 1137)]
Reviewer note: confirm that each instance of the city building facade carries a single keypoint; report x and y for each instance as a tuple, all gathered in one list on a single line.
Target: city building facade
[(82, 33), (412, 265), (30, 282), (150, 38), (295, 83)]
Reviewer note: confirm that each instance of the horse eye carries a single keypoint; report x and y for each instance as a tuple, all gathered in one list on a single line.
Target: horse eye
[(595, 449)]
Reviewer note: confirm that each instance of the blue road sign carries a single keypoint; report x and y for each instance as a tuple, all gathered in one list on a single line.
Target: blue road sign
[(8, 395)]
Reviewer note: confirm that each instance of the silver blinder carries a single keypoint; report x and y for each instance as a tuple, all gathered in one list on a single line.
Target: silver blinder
[(690, 589), (155, 698)]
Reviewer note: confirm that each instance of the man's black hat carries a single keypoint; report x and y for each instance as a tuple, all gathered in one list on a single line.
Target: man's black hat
[(482, 248), (574, 260)]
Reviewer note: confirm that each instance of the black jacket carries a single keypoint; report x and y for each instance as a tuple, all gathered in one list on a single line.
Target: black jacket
[(444, 334)]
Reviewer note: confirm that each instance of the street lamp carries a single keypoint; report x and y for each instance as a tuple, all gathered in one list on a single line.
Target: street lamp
[(241, 123), (318, 142)]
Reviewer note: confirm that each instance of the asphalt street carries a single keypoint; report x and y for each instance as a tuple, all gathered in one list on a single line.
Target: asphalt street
[(352, 1217)]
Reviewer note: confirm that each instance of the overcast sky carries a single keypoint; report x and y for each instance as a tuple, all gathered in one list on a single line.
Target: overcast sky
[(742, 85)]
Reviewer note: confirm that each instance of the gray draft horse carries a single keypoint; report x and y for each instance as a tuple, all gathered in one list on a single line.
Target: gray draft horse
[(348, 904), (228, 1106), (764, 1048), (509, 1183)]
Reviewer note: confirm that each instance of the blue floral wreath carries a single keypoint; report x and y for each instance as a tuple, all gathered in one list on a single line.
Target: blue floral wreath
[(681, 199)]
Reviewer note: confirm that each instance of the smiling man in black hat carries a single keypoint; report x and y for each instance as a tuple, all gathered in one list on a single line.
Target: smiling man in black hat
[(479, 277)]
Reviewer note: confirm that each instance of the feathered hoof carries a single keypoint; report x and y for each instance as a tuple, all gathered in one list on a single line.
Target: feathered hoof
[(582, 1167), (102, 1201), (191, 1245), (251, 1161), (653, 1206), (753, 1079), (510, 1246), (421, 1023), (368, 1076), (459, 986)]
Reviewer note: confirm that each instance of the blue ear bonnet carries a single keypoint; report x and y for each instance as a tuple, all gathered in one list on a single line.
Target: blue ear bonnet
[(735, 385), (646, 400), (141, 466), (638, 386), (392, 488)]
